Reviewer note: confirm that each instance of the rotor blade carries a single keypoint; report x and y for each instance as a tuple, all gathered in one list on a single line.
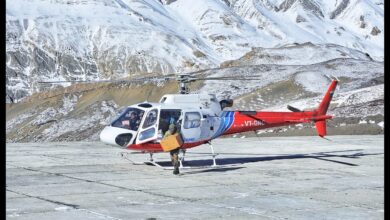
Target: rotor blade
[(227, 78), (200, 71), (140, 79), (92, 81), (73, 81)]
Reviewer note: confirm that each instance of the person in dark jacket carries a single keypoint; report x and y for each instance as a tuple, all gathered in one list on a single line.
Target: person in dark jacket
[(175, 152)]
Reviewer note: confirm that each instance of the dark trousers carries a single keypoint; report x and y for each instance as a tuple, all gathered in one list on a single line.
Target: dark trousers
[(175, 157)]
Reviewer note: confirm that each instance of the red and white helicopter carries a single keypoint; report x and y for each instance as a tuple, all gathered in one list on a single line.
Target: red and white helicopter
[(203, 118)]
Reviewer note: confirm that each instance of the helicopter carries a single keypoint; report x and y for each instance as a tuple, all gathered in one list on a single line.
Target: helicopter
[(202, 118)]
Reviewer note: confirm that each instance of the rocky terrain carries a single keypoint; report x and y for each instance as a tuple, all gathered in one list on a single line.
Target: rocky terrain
[(79, 112), (108, 39)]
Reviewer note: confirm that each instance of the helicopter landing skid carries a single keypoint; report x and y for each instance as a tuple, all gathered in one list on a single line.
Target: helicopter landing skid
[(152, 162), (156, 164), (181, 160)]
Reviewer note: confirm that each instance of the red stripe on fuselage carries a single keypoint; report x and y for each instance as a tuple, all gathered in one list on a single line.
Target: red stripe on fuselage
[(261, 120), (156, 147)]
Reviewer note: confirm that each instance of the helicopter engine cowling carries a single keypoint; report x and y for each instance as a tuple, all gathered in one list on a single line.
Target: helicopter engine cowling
[(226, 103)]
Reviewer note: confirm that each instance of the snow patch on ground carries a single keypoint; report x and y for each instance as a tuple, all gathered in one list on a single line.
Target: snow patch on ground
[(312, 81), (362, 122), (341, 99), (98, 113), (50, 114), (360, 95), (19, 119)]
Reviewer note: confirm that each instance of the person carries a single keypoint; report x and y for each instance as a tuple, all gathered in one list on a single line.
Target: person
[(175, 152), (150, 119), (131, 122), (137, 120)]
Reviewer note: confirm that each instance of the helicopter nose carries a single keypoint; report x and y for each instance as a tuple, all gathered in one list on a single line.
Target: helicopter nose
[(116, 136)]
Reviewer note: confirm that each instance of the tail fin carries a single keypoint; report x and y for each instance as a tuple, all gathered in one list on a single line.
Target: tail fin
[(323, 108), (324, 105)]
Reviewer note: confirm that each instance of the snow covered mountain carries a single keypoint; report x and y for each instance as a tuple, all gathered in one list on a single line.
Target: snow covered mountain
[(99, 39), (80, 112), (290, 44)]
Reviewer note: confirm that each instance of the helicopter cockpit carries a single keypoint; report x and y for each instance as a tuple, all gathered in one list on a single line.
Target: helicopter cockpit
[(146, 122), (136, 124), (129, 119)]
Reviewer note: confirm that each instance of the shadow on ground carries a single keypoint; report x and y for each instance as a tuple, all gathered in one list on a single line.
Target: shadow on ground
[(331, 156)]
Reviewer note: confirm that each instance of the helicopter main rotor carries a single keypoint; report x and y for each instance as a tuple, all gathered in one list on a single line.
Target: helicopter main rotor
[(183, 79)]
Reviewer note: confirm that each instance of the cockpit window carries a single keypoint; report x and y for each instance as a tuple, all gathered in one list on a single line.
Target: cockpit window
[(150, 119), (130, 119)]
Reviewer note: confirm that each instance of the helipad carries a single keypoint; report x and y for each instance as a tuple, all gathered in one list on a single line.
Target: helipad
[(260, 178)]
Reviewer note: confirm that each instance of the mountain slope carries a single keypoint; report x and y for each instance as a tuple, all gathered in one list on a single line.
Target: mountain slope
[(85, 39), (81, 112)]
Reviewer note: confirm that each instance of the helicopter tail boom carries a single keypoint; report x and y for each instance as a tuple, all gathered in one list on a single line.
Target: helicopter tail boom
[(242, 121)]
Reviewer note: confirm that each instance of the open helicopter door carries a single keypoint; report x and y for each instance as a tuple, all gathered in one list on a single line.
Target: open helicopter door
[(148, 127), (190, 128)]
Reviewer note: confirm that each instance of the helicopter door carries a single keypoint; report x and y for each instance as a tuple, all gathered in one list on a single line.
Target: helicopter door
[(148, 130), (191, 128)]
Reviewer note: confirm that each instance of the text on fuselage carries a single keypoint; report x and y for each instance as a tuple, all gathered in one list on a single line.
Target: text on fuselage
[(253, 123)]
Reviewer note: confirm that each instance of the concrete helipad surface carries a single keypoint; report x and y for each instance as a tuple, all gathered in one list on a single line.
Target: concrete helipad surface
[(261, 178)]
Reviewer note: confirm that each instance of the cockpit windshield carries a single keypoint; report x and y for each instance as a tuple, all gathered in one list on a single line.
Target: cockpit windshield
[(129, 119)]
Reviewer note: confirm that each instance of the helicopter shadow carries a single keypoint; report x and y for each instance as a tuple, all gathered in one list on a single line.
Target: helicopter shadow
[(332, 156), (217, 169), (241, 159)]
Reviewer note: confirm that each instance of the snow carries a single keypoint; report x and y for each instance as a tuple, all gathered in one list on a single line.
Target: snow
[(18, 120), (97, 114), (146, 36), (304, 75), (62, 208), (342, 30), (197, 20), (312, 81), (360, 95), (349, 98), (51, 113)]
